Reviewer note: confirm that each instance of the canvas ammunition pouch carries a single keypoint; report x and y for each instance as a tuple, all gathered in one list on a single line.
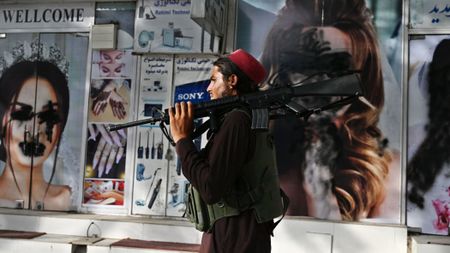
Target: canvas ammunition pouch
[(257, 189)]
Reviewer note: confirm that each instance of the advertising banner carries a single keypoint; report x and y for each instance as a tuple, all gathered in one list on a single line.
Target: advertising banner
[(111, 93), (51, 16), (192, 74), (112, 79), (340, 164), (430, 13), (428, 167), (154, 155), (167, 27), (41, 106), (191, 79), (159, 186)]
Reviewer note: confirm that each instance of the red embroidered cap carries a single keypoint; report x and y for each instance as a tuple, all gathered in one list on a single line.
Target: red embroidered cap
[(248, 64)]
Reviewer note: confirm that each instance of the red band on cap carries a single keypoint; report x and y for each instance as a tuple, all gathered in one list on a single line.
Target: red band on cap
[(249, 65)]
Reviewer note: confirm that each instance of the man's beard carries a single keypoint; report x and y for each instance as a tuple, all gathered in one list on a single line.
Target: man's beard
[(226, 93)]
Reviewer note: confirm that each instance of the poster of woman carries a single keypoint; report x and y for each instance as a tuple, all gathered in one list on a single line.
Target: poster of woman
[(340, 164), (40, 124), (428, 169)]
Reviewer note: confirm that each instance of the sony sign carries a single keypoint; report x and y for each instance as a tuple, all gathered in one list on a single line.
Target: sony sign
[(194, 92), (64, 15), (191, 96)]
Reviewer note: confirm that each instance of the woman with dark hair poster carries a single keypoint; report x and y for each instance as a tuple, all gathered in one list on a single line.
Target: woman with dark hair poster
[(34, 110), (336, 164), (428, 168)]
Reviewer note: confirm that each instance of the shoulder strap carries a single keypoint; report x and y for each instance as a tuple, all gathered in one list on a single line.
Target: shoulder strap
[(210, 122), (200, 129), (285, 199)]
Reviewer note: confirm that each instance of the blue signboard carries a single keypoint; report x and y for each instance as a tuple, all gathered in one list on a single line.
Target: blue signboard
[(194, 92)]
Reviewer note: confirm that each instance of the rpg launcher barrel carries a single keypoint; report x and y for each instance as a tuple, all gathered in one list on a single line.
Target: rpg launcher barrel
[(268, 104)]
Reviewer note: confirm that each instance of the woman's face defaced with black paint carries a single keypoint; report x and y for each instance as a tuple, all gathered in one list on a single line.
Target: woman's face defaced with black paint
[(312, 53), (20, 144)]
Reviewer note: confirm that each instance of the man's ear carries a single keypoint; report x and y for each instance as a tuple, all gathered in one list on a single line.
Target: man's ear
[(232, 80)]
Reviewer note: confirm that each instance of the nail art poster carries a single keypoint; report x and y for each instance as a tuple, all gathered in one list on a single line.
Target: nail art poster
[(105, 165)]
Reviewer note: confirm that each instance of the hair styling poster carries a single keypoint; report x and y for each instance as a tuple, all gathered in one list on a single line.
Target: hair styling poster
[(341, 164), (428, 166), (43, 86)]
